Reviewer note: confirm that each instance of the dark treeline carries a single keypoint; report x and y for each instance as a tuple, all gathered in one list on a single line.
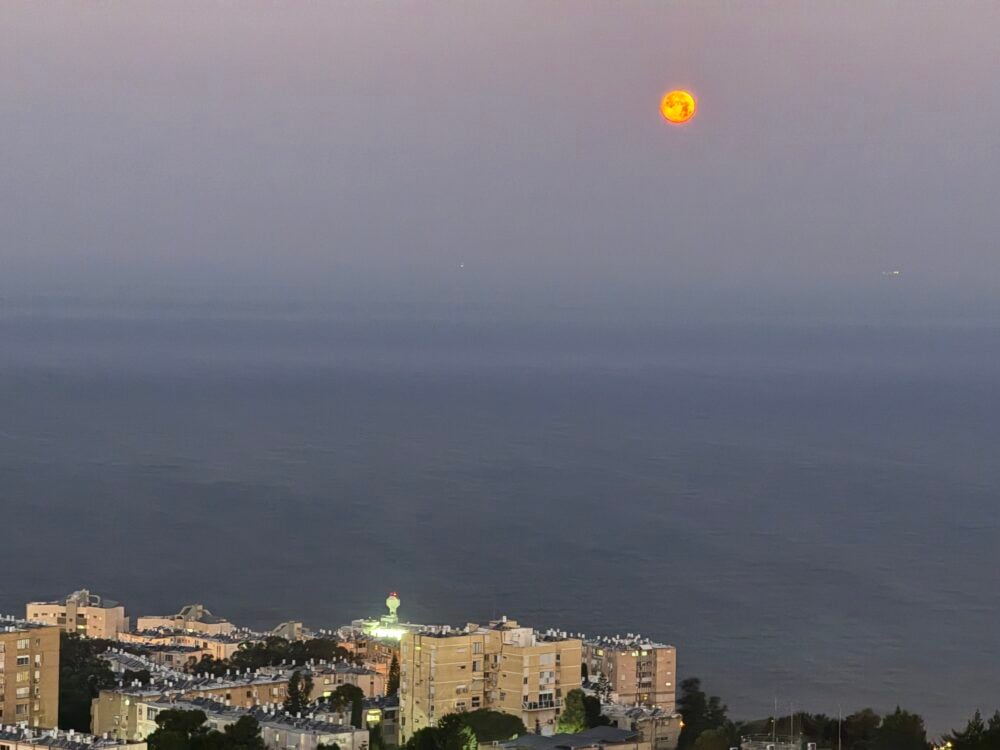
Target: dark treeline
[(466, 731), (187, 730), (708, 727), (273, 651)]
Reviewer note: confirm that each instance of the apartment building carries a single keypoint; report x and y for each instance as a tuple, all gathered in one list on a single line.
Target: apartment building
[(192, 617), (328, 677), (81, 612), (658, 728), (120, 712), (24, 738), (502, 666), (278, 730), (29, 674), (219, 646), (638, 670)]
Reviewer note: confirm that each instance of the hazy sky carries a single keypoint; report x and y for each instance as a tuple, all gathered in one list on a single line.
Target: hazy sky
[(378, 145)]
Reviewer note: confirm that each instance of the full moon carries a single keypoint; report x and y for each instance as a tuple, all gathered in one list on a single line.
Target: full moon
[(678, 106)]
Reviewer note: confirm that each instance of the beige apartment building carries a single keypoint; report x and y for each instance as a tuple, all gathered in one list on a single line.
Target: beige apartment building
[(192, 617), (638, 670), (122, 712), (502, 666), (658, 729), (23, 738), (29, 674), (217, 646), (81, 612), (328, 677)]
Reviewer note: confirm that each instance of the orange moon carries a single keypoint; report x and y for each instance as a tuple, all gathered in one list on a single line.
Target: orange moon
[(678, 106)]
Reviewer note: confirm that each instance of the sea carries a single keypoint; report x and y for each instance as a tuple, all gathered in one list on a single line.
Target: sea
[(807, 508)]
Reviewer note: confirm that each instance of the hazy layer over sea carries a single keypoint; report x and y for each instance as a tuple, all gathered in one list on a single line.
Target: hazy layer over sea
[(806, 507)]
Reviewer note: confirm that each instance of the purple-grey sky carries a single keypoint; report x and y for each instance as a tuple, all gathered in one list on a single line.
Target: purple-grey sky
[(379, 145)]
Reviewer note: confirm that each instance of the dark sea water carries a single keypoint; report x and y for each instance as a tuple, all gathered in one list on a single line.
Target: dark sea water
[(808, 511)]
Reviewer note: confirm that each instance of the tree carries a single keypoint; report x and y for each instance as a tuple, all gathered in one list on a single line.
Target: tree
[(573, 718), (353, 696), (299, 692), (82, 675), (699, 711), (451, 733), (186, 730), (592, 712), (901, 730), (392, 685), (427, 738), (139, 675), (603, 689), (859, 729), (714, 739), (973, 737), (177, 730), (243, 734), (492, 726), (463, 738)]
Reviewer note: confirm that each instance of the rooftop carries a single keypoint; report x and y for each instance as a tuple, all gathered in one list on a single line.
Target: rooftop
[(266, 716), (57, 738), (10, 624), (238, 636), (193, 612), (84, 598), (628, 642)]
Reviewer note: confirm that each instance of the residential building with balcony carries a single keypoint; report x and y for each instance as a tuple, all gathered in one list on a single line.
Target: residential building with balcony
[(120, 712), (501, 666), (638, 670), (29, 674)]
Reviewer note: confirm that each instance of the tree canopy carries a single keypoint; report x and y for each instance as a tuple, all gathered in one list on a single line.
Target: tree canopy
[(186, 730), (706, 727), (299, 693), (465, 731), (451, 733), (353, 696), (273, 651), (82, 674), (573, 718), (492, 726), (392, 685), (699, 711), (978, 734)]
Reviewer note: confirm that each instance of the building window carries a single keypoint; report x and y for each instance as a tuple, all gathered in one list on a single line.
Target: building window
[(23, 643), (23, 661)]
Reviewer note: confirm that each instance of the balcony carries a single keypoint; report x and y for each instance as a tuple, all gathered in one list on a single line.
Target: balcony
[(541, 705)]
